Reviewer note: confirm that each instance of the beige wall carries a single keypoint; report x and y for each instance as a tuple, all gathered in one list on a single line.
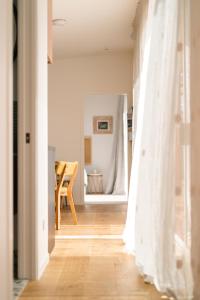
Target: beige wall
[(195, 141), (70, 82)]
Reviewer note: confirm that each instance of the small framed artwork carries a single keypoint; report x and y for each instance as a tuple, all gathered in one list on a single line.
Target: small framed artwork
[(103, 125)]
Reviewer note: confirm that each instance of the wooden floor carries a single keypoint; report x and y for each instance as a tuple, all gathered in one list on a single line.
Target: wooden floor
[(89, 261)]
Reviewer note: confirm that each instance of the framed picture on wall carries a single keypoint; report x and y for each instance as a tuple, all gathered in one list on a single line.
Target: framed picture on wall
[(103, 125)]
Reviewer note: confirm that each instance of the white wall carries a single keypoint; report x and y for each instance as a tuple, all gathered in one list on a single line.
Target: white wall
[(102, 144), (70, 82)]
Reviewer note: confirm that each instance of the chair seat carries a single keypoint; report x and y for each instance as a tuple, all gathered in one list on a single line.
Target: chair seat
[(63, 191)]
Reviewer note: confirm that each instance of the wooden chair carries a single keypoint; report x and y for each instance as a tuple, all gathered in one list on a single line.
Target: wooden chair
[(64, 170)]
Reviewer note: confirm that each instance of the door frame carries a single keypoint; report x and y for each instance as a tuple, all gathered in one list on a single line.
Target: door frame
[(26, 159), (32, 106), (6, 157), (111, 199)]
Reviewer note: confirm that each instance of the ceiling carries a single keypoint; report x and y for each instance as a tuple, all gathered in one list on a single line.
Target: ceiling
[(93, 27)]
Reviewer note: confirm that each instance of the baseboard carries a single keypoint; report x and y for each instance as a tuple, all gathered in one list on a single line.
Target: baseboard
[(105, 199), (43, 266)]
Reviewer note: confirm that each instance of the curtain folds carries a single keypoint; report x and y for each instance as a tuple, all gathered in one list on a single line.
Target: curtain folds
[(116, 184), (161, 105)]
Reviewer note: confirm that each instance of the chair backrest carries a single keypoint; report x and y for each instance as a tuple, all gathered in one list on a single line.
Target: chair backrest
[(60, 169), (70, 171)]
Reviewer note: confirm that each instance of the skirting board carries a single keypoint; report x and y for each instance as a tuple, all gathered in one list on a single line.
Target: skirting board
[(43, 266), (105, 199)]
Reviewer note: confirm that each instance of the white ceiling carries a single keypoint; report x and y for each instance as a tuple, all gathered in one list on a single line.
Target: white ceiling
[(92, 26)]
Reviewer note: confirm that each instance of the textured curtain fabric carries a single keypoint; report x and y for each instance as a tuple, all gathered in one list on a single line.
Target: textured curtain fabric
[(139, 34), (162, 107), (116, 184)]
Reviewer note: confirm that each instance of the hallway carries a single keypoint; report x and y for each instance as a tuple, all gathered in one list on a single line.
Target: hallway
[(89, 261)]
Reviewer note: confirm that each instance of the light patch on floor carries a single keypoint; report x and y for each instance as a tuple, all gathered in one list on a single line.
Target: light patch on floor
[(89, 237), (105, 199), (89, 261)]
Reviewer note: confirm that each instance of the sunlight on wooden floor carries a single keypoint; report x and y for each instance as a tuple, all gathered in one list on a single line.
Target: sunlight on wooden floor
[(89, 268)]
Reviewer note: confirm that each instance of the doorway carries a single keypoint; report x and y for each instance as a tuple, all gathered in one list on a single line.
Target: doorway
[(105, 149)]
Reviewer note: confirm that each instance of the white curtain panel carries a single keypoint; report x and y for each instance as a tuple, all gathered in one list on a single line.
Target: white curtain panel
[(116, 183), (151, 218)]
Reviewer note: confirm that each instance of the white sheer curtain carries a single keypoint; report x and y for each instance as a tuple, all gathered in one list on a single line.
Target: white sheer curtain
[(116, 184), (150, 226)]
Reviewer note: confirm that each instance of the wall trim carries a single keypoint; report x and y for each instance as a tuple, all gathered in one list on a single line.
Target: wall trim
[(43, 265)]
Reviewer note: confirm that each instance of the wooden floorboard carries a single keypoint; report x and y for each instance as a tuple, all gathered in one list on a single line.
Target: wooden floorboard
[(86, 268)]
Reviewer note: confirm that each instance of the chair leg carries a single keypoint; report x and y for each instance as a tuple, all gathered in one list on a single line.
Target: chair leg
[(72, 207), (62, 202), (57, 199), (66, 203)]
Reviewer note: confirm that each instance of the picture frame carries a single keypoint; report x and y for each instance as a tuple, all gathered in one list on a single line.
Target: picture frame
[(103, 125)]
